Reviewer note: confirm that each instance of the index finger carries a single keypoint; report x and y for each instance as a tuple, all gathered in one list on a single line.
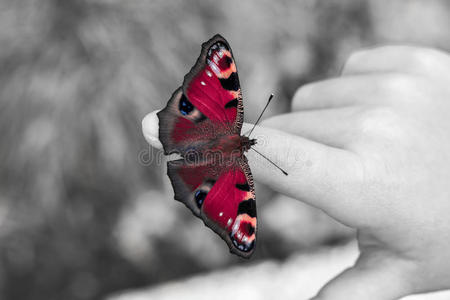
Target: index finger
[(320, 175)]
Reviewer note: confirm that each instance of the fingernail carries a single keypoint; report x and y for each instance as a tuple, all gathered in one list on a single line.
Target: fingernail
[(150, 129)]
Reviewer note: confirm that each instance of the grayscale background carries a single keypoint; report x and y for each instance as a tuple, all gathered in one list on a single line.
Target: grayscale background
[(86, 211)]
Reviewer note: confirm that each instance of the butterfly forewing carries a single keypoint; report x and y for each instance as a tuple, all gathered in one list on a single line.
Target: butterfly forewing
[(208, 104), (213, 85)]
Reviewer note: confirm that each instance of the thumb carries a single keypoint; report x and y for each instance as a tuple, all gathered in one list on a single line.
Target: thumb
[(371, 278), (318, 174)]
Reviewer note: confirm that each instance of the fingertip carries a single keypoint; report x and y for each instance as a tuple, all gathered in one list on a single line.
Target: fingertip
[(303, 94), (150, 129)]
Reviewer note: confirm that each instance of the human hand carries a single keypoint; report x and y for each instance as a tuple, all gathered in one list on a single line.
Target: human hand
[(371, 149)]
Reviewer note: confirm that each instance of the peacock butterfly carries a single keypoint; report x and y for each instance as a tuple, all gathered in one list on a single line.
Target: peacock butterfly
[(202, 122)]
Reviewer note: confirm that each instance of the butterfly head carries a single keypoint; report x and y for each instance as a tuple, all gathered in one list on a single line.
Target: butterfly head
[(247, 143)]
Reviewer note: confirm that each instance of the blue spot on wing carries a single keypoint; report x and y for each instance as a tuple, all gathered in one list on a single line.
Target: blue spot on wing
[(185, 106), (200, 197)]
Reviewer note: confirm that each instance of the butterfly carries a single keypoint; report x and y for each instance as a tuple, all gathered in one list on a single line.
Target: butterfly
[(202, 123)]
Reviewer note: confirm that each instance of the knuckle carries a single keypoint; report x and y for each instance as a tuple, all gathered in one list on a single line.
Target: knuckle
[(398, 83), (426, 57), (418, 58), (379, 120), (404, 87)]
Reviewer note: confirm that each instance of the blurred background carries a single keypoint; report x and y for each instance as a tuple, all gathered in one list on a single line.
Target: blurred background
[(86, 211)]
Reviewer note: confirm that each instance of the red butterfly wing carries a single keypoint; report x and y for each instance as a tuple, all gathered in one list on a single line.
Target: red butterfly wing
[(213, 84), (223, 196), (209, 104), (207, 113)]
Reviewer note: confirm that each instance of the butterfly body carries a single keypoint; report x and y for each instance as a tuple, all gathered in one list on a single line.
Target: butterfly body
[(202, 122), (233, 145)]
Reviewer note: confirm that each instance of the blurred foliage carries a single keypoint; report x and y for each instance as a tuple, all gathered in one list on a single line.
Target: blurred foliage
[(81, 215)]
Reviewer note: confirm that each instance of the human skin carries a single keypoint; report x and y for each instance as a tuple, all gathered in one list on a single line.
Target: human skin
[(370, 148)]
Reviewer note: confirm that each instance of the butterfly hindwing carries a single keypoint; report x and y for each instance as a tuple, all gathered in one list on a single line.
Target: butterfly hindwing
[(191, 182), (208, 104), (222, 196), (230, 209)]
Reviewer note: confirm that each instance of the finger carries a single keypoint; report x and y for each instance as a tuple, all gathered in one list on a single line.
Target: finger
[(413, 60), (150, 129), (333, 127), (383, 280), (354, 90), (320, 175)]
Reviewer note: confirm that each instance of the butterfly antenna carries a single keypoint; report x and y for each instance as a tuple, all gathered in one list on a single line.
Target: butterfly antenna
[(284, 172), (259, 118)]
